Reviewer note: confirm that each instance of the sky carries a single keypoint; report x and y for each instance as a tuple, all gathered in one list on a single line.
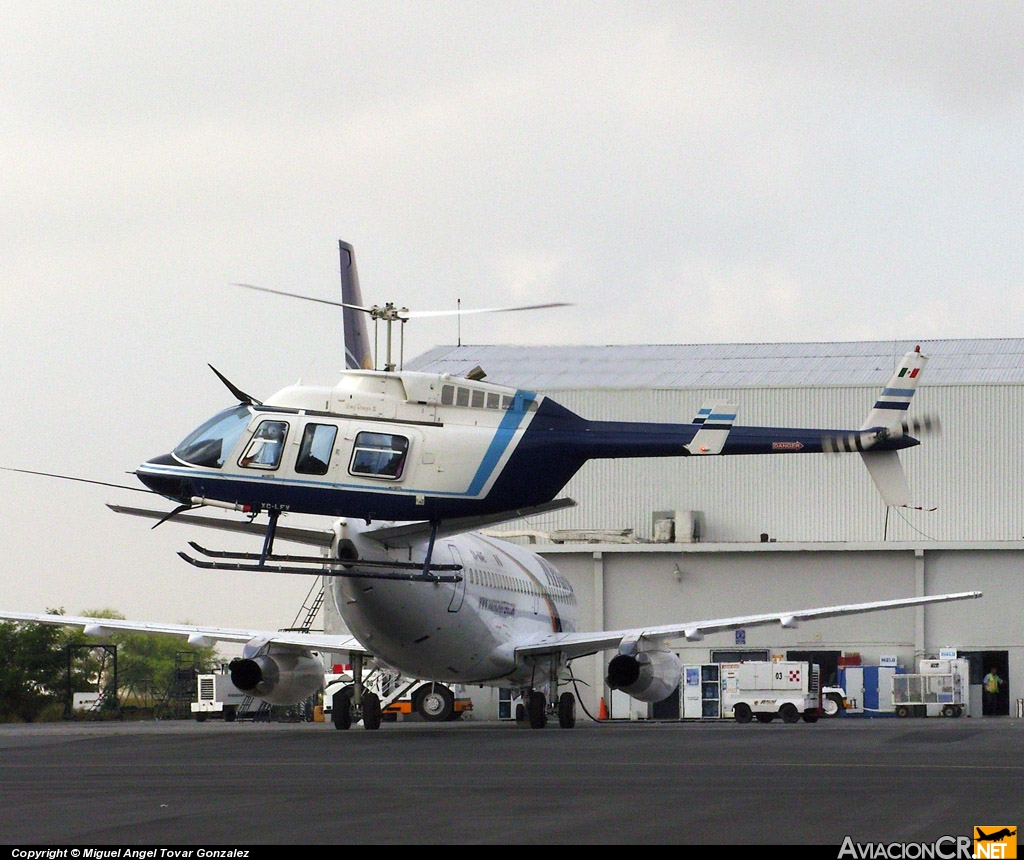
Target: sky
[(682, 172)]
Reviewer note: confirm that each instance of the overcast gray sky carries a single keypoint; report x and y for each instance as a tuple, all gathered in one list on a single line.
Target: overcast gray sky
[(682, 172)]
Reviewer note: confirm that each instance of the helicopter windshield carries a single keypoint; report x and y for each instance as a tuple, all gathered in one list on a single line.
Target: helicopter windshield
[(210, 443)]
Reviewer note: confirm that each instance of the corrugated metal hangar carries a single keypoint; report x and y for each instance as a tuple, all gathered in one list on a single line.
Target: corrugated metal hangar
[(659, 541)]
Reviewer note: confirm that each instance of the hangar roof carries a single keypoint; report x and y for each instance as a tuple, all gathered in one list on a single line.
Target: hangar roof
[(728, 365)]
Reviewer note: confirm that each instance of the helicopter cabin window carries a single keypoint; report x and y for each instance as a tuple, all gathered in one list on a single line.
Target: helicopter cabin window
[(315, 449), (452, 395), (379, 455), (266, 447)]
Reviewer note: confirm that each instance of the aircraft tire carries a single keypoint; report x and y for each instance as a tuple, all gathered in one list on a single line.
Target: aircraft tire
[(742, 713), (538, 710), (764, 717), (435, 703), (371, 712), (789, 713), (567, 711), (341, 711), (811, 715)]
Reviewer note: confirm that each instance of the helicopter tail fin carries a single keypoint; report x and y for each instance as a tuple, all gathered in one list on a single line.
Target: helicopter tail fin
[(891, 406), (357, 339)]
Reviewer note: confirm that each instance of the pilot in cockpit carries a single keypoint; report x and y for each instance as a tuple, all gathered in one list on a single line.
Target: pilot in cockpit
[(264, 451)]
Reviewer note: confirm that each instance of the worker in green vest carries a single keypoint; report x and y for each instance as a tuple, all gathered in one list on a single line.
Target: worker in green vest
[(991, 684)]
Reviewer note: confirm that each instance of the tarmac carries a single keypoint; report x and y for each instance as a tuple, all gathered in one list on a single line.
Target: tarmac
[(232, 785)]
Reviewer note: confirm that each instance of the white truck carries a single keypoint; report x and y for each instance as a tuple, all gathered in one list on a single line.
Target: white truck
[(399, 697), (763, 691), (217, 697)]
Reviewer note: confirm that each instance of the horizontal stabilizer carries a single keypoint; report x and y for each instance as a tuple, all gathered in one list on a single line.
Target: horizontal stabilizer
[(715, 420)]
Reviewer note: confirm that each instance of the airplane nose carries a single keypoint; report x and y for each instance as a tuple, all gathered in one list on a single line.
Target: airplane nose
[(172, 487)]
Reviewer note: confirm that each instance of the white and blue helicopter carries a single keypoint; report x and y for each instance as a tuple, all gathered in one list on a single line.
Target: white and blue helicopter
[(408, 465), (393, 445)]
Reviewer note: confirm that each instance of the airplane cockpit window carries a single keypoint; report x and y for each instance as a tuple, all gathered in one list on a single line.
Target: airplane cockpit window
[(211, 442), (266, 447), (379, 455), (315, 449)]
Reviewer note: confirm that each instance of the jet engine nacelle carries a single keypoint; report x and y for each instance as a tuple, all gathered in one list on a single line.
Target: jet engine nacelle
[(278, 676), (649, 676)]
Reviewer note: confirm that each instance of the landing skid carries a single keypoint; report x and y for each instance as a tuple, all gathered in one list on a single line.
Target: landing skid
[(315, 565)]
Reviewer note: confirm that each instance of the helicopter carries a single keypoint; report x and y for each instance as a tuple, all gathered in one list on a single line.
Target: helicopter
[(395, 445)]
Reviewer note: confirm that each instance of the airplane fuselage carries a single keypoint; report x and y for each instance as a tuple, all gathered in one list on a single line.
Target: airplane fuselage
[(463, 632), (417, 446)]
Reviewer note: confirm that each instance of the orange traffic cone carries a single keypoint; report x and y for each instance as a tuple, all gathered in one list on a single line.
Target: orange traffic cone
[(602, 711)]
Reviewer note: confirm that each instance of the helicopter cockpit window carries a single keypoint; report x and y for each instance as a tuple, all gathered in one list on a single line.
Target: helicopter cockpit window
[(315, 450), (379, 455), (210, 443), (266, 447)]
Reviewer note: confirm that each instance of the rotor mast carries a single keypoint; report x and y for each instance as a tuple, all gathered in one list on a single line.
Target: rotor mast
[(390, 314)]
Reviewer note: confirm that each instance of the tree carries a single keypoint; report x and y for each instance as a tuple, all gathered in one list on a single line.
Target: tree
[(33, 673), (145, 661), (34, 669)]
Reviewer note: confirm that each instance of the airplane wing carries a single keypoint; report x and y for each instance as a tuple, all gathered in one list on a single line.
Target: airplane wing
[(572, 645), (196, 634)]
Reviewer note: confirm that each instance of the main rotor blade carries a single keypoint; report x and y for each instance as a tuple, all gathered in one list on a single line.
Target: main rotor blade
[(407, 314), (300, 296), (79, 480), (463, 312)]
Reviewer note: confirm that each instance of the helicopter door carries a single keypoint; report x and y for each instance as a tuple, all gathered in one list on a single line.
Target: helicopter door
[(459, 593)]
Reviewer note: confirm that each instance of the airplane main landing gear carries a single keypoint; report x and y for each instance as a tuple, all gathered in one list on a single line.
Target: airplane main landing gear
[(536, 706), (537, 710)]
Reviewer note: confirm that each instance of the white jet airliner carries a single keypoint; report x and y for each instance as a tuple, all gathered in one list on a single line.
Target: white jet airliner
[(493, 613)]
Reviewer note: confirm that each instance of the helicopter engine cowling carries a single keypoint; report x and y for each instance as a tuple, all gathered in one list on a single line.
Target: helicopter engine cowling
[(649, 676), (280, 677)]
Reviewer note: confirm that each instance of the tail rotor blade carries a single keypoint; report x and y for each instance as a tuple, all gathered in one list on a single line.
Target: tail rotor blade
[(865, 440)]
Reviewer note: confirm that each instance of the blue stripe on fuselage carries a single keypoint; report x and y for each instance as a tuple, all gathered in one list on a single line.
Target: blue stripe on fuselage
[(510, 422)]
